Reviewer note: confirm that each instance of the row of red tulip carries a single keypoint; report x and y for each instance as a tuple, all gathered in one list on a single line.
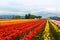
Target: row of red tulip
[(34, 32), (9, 31)]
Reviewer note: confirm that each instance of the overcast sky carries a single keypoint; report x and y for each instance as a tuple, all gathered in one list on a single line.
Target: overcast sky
[(21, 7)]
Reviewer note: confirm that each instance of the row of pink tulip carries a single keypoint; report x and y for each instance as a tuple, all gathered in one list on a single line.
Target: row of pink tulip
[(56, 22)]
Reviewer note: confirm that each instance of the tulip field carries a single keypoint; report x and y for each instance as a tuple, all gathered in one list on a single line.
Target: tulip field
[(29, 29)]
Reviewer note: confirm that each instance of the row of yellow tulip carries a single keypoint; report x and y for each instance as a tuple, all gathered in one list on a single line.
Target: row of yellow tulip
[(55, 27), (47, 34)]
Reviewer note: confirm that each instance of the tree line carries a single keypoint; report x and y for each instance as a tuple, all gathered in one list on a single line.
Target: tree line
[(27, 16)]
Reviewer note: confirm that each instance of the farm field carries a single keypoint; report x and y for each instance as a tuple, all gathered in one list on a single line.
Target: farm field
[(29, 29)]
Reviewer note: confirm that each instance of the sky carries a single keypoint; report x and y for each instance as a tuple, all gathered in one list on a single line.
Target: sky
[(36, 7)]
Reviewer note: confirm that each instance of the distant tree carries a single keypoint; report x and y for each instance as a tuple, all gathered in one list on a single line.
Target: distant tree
[(16, 17), (32, 16), (26, 16), (29, 16), (39, 16)]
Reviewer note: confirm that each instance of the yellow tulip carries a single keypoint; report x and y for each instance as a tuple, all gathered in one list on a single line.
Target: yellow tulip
[(55, 27), (46, 32)]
